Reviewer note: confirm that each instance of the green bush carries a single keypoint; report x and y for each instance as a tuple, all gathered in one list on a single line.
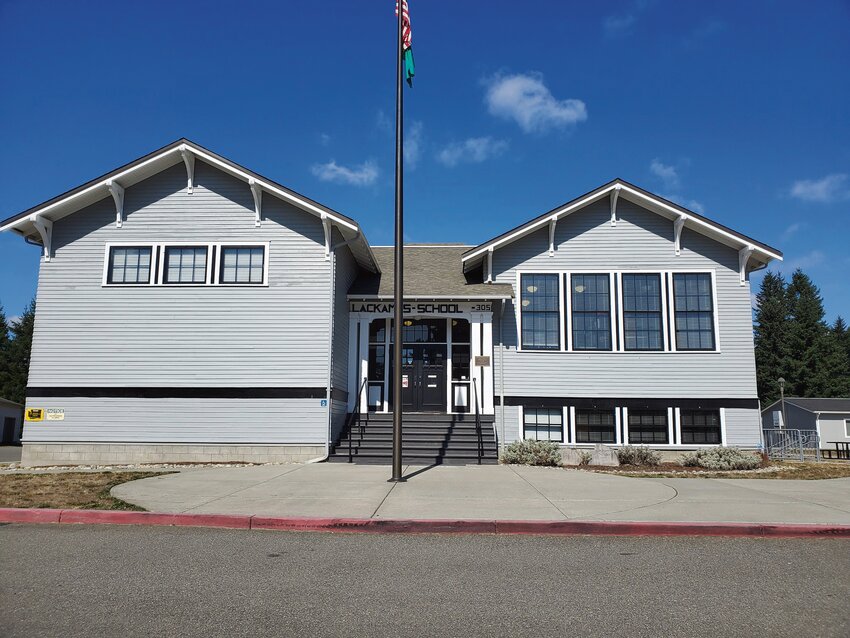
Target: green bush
[(528, 452), (721, 458), (638, 455)]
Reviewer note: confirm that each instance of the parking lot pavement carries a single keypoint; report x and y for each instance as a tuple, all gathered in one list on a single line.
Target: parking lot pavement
[(486, 492), (79, 580)]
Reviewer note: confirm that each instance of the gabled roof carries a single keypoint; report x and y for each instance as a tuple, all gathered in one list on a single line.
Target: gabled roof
[(814, 404), (431, 271), (134, 172), (12, 404), (761, 253)]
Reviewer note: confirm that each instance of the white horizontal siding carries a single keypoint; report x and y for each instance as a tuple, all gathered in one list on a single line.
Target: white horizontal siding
[(641, 240), (743, 427), (832, 429), (101, 420), (90, 335)]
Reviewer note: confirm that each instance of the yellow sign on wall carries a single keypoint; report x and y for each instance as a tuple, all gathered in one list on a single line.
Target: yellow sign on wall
[(34, 414)]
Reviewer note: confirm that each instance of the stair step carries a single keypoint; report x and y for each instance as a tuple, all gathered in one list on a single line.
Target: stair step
[(414, 460)]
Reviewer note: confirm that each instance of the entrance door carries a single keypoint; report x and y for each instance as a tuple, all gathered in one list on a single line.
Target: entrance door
[(8, 430), (423, 378)]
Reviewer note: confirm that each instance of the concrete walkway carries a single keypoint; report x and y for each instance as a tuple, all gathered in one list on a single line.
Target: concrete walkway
[(485, 493)]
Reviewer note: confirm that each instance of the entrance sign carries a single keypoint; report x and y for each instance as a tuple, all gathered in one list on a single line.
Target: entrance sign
[(404, 381), (422, 308), (55, 414)]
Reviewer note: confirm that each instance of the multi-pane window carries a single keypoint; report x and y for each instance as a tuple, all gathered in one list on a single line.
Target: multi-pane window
[(539, 298), (461, 334), (591, 312), (185, 264), (694, 311), (129, 265), (642, 324), (242, 264), (543, 424), (700, 426), (648, 426), (595, 426)]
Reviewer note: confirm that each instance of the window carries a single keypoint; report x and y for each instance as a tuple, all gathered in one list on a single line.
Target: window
[(242, 264), (377, 354), (543, 424), (129, 265), (694, 306), (461, 333), (540, 312), (847, 428), (648, 426), (595, 426), (701, 426), (185, 265), (642, 327), (591, 312)]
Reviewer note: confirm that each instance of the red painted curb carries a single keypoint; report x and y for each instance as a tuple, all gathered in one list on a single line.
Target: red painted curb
[(388, 526), (20, 515)]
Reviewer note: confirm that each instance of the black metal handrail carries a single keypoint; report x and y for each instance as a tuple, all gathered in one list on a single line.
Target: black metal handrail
[(478, 422), (355, 414)]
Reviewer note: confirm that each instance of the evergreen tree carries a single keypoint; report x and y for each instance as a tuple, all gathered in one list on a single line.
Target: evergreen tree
[(4, 352), (817, 365), (842, 334), (19, 355), (771, 336)]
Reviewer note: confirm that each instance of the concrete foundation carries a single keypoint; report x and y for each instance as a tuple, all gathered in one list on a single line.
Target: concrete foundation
[(36, 454)]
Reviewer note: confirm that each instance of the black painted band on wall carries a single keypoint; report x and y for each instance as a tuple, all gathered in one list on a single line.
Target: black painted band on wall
[(178, 393), (631, 403)]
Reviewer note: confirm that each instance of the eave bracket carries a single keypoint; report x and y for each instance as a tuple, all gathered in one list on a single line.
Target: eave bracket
[(45, 228), (326, 224), (490, 265), (552, 223), (615, 195), (189, 161), (678, 225), (743, 259), (117, 192), (257, 192)]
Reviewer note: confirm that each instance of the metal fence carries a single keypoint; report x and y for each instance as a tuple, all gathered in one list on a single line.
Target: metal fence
[(793, 445)]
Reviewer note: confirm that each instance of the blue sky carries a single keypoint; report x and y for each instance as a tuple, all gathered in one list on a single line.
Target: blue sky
[(738, 110)]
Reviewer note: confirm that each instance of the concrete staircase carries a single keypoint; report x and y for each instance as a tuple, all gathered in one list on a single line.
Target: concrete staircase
[(428, 439)]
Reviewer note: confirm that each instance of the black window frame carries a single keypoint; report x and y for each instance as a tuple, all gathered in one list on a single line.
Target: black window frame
[(687, 431), (165, 259), (583, 430), (686, 313), (254, 247), (537, 408), (569, 283), (533, 313), (635, 314), (644, 428), (111, 260)]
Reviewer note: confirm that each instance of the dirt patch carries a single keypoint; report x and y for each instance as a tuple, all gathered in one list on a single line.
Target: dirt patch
[(68, 490), (798, 471)]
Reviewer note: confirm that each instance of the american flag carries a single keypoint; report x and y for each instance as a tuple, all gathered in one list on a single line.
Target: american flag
[(405, 23), (407, 50)]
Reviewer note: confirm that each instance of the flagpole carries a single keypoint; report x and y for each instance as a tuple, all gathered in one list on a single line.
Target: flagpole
[(398, 292)]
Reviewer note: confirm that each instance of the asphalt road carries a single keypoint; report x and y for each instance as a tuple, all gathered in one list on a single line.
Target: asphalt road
[(144, 581)]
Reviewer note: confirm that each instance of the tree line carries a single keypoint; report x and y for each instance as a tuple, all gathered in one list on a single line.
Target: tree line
[(15, 348), (794, 342)]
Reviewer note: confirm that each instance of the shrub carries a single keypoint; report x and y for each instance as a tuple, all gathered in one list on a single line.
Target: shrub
[(528, 452), (585, 457), (721, 458), (638, 455)]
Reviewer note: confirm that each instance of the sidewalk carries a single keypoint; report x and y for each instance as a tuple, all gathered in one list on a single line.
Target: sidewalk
[(486, 493)]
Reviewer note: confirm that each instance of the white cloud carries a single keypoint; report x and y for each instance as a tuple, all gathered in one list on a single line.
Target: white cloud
[(364, 174), (666, 172), (524, 97), (792, 230), (473, 150), (804, 262), (324, 139), (690, 204), (383, 122), (616, 25), (831, 188), (413, 145)]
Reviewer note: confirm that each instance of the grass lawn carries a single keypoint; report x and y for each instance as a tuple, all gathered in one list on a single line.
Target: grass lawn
[(67, 490), (788, 470)]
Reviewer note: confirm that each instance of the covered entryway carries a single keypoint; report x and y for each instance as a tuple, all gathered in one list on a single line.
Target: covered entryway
[(423, 377)]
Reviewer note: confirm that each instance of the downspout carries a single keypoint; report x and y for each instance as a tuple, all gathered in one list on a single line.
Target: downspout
[(331, 309), (502, 373)]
